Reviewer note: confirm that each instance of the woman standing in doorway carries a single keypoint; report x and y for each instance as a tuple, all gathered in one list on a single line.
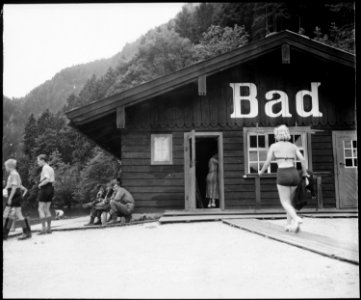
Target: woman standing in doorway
[(285, 153), (212, 181), (46, 193)]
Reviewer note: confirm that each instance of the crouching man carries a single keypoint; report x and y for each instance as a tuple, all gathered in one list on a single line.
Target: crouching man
[(121, 203)]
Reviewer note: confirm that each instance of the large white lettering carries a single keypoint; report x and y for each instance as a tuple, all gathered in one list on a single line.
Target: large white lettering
[(251, 97), (283, 99), (237, 98), (300, 104)]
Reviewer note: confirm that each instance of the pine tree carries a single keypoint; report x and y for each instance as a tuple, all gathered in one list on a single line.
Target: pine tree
[(30, 134)]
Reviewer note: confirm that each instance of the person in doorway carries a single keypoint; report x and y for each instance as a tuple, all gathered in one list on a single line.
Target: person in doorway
[(14, 197), (46, 193), (285, 153), (212, 192), (121, 204)]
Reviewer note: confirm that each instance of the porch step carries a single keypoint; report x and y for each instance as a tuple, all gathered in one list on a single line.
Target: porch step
[(215, 217), (306, 240), (217, 214), (309, 212)]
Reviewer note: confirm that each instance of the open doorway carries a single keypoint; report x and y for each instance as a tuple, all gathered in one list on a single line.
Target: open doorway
[(206, 147), (198, 150)]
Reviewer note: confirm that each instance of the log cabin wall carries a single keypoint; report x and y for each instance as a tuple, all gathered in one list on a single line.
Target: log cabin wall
[(182, 110)]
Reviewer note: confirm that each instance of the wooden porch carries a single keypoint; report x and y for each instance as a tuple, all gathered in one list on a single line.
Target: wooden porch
[(214, 214)]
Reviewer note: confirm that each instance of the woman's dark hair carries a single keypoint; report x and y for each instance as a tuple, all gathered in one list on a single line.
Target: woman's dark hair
[(43, 157), (99, 186)]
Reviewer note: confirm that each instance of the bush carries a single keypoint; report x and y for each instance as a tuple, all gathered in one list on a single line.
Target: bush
[(99, 170)]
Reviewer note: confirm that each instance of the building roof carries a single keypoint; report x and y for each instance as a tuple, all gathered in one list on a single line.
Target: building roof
[(98, 111)]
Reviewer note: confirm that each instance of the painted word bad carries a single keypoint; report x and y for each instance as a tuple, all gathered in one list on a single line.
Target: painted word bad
[(274, 97)]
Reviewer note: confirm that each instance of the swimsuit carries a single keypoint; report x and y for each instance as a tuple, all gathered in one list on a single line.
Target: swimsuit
[(287, 176)]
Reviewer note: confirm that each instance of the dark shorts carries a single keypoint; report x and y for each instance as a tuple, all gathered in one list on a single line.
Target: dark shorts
[(46, 193), (288, 176), (17, 199)]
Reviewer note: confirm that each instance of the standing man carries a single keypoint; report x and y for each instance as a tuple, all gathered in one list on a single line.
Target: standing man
[(121, 203), (46, 192)]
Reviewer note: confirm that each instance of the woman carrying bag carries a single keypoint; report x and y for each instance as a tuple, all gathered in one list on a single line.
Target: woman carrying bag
[(285, 153)]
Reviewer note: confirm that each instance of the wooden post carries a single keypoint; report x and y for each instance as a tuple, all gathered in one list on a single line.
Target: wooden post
[(120, 117), (257, 182), (319, 192), (286, 57), (202, 85)]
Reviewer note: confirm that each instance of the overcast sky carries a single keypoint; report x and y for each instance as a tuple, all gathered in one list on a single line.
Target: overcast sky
[(41, 39)]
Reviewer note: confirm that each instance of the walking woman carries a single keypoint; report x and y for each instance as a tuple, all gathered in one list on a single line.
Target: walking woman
[(285, 153), (13, 192), (46, 193), (212, 181)]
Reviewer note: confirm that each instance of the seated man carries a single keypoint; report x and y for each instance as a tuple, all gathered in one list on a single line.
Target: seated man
[(92, 205), (121, 204), (102, 208)]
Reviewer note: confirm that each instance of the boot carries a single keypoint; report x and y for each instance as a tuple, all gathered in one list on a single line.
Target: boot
[(128, 218), (91, 221), (98, 222), (48, 221), (43, 230), (99, 217), (6, 227), (112, 219), (26, 230)]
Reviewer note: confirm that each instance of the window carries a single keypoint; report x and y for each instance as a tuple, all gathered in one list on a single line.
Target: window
[(350, 153), (258, 141), (161, 149)]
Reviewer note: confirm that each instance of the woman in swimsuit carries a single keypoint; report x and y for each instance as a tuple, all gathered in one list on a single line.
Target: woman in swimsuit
[(285, 153)]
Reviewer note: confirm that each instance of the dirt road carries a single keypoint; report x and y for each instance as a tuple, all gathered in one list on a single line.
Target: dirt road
[(195, 260)]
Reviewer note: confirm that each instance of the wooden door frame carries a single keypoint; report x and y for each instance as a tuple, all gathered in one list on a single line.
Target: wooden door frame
[(189, 161), (335, 134), (219, 136)]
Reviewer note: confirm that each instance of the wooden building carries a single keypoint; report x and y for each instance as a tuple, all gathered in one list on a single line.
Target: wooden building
[(164, 131)]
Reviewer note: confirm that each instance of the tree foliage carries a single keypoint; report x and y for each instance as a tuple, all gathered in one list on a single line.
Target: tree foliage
[(218, 40), (100, 169)]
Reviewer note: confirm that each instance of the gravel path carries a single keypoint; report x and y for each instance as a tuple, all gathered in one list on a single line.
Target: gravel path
[(187, 260)]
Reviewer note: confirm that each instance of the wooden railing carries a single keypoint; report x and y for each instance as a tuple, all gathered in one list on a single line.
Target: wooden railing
[(318, 182)]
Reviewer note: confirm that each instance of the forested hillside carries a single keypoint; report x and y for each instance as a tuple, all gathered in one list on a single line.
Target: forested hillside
[(197, 33)]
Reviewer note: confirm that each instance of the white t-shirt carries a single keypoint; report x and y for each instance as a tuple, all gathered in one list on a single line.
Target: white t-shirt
[(13, 180), (47, 172)]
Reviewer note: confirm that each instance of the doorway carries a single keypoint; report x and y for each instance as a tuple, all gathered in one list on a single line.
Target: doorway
[(345, 157), (199, 147), (206, 147)]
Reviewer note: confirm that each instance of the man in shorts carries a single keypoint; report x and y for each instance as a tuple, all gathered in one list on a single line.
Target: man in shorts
[(46, 193)]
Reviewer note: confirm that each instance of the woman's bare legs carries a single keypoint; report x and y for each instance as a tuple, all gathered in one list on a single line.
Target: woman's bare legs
[(286, 193), (212, 202), (289, 222)]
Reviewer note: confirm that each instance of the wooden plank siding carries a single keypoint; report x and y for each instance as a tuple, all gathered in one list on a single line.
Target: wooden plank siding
[(160, 186)]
